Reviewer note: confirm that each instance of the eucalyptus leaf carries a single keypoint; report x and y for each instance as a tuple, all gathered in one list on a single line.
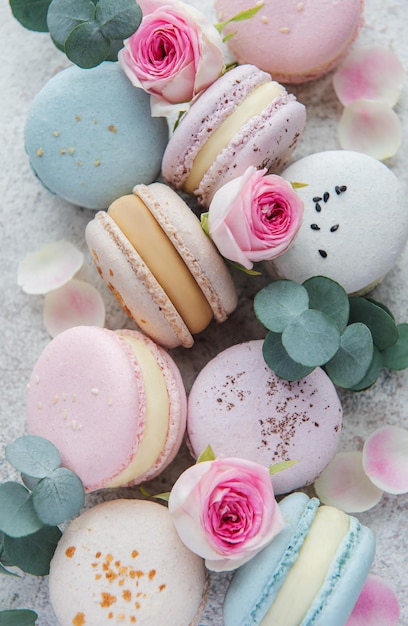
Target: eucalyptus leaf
[(396, 356), (206, 455), (17, 515), (29, 481), (32, 14), (372, 374), (65, 15), (279, 303), (6, 572), (327, 296), (18, 617), (279, 361), (58, 497), (115, 46), (119, 19), (86, 46), (311, 339), (33, 553), (382, 326), (33, 455), (381, 305), (351, 363)]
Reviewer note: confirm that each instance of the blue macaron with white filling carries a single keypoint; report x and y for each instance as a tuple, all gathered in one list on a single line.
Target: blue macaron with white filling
[(311, 574)]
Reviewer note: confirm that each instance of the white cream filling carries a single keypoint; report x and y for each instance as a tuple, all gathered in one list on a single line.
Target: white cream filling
[(251, 106), (157, 415), (308, 573)]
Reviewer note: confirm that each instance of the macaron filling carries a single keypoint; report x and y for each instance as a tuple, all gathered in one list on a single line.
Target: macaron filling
[(308, 573), (157, 415), (252, 105), (145, 234)]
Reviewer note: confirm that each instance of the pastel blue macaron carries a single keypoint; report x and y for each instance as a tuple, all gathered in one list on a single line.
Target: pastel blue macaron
[(256, 586), (90, 136)]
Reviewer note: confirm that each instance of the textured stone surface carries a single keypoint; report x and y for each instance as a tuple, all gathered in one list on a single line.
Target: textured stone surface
[(31, 217)]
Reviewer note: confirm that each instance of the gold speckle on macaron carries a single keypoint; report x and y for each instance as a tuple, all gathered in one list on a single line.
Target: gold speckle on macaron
[(284, 30), (40, 152), (78, 118), (112, 128), (71, 150), (56, 133), (96, 163)]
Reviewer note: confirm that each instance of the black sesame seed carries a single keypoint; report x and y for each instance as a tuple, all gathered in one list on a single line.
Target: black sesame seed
[(318, 207), (340, 189), (343, 188), (334, 228), (326, 196), (317, 199), (314, 227), (337, 190), (323, 253)]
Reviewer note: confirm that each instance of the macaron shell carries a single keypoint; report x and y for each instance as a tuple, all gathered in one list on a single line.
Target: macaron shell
[(123, 562), (294, 41), (86, 393), (357, 235), (128, 277), (239, 407)]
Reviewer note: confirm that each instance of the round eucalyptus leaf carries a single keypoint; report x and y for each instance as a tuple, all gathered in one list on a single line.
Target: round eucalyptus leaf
[(382, 326), (372, 374), (58, 497), (279, 361), (18, 617), (312, 338), (6, 572), (381, 305), (351, 362), (115, 46), (33, 554), (280, 302), (396, 356), (31, 15), (29, 481), (327, 296), (33, 455), (86, 46), (119, 19), (65, 15), (17, 515)]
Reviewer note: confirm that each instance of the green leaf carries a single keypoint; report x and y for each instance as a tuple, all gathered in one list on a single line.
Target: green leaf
[(396, 356), (329, 297), (280, 467), (115, 46), (32, 14), (383, 327), (279, 303), (312, 338), (163, 496), (18, 617), (241, 268), (119, 19), (381, 305), (206, 455), (297, 185), (279, 361), (86, 46), (372, 374), (229, 36), (33, 553), (58, 497), (29, 481), (33, 455), (65, 15), (17, 515), (7, 572), (239, 17), (350, 364), (204, 222)]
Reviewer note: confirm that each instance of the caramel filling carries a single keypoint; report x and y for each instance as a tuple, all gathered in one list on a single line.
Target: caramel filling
[(152, 244)]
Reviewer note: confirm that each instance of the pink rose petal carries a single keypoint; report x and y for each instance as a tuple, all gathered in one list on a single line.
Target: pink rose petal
[(345, 485), (369, 73), (49, 268), (77, 303), (370, 127), (377, 605), (385, 459)]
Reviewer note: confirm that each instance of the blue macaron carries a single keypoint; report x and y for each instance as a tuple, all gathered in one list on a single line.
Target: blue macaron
[(290, 574), (90, 136)]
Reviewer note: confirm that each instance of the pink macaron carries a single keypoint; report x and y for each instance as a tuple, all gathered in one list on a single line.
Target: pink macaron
[(295, 41), (112, 402), (239, 407), (244, 118)]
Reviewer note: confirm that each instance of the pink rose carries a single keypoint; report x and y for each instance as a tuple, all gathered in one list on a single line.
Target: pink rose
[(174, 54), (254, 217), (225, 511)]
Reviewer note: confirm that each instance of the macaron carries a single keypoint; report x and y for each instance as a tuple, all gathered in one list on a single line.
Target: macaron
[(122, 562), (294, 41), (90, 136), (244, 118), (164, 270), (112, 402), (355, 222), (311, 574), (239, 407)]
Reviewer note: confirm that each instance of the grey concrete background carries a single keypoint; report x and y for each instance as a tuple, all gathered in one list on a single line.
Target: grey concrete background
[(31, 217)]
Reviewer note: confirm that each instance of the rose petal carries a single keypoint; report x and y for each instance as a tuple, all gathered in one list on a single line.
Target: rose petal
[(385, 459), (370, 127), (77, 303), (370, 73), (377, 605), (345, 485), (49, 268)]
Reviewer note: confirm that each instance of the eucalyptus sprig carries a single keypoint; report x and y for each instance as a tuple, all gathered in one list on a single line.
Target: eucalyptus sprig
[(87, 31), (317, 324)]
